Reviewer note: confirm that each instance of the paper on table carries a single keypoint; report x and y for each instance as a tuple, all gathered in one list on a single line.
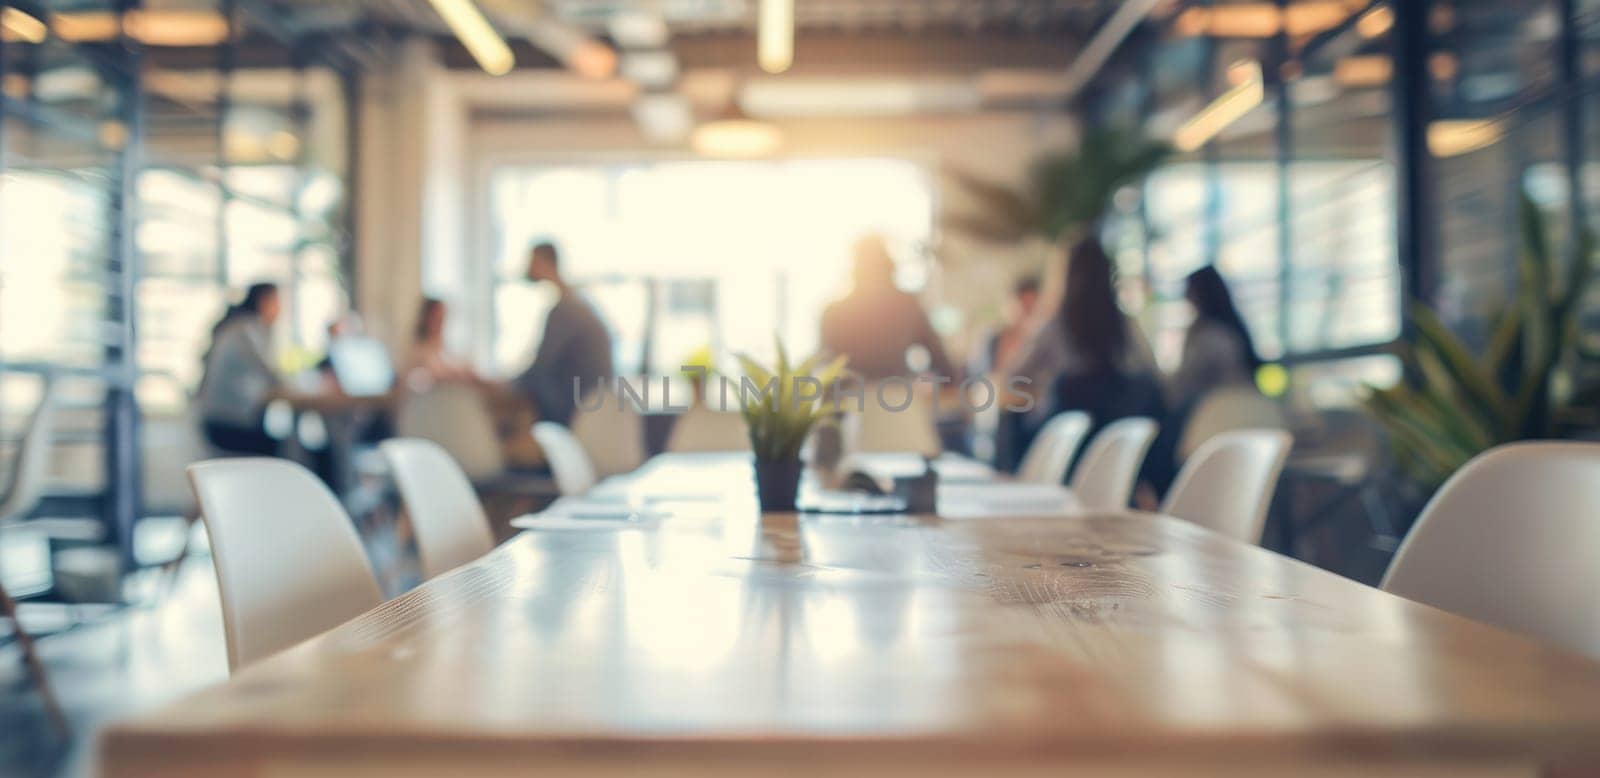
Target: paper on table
[(951, 468), (587, 514), (968, 501), (542, 522)]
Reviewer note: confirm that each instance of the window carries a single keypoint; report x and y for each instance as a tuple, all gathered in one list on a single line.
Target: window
[(685, 256)]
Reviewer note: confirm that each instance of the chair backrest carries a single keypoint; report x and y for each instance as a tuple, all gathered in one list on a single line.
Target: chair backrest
[(1227, 484), (1229, 408), (1510, 540), (569, 463), (454, 415), (612, 434), (446, 517), (31, 465), (898, 424), (1110, 465), (1050, 455), (289, 564), (702, 429)]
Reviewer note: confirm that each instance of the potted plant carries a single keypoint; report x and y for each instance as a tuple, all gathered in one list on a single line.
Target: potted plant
[(779, 411), (1455, 404)]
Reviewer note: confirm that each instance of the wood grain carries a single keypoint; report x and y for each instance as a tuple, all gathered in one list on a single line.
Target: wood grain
[(891, 645)]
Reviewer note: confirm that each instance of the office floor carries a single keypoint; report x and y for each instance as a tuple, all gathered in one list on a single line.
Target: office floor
[(117, 663)]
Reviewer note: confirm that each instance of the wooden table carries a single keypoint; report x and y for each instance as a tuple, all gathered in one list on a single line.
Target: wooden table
[(720, 643)]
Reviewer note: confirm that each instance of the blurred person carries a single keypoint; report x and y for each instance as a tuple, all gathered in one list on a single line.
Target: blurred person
[(1217, 350), (427, 355), (877, 323), (238, 378), (1005, 342), (576, 346), (1090, 356)]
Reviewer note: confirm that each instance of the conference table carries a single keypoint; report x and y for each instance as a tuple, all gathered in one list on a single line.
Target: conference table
[(705, 639)]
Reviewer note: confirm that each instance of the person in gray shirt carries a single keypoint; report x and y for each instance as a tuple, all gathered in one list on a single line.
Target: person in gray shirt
[(576, 345)]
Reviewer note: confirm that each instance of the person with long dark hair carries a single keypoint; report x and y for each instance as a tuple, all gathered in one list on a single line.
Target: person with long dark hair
[(1089, 353), (239, 378), (1218, 349), (429, 358)]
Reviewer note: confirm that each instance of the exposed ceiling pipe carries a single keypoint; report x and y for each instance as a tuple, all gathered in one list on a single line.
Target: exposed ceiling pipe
[(1105, 42)]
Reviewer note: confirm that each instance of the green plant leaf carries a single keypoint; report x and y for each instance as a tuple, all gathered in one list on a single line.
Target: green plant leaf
[(1476, 385)]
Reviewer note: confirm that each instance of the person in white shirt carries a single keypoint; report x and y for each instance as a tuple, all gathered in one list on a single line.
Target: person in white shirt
[(239, 378)]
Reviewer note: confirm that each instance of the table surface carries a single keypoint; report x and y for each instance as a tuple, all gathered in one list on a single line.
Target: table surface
[(897, 637)]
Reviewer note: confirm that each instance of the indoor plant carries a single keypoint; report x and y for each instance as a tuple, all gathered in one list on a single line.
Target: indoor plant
[(1065, 195), (1455, 404), (779, 412)]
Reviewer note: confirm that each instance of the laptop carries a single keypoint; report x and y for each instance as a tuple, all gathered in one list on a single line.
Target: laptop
[(362, 365)]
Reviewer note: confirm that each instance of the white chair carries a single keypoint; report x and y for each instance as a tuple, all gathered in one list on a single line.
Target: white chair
[(1110, 465), (612, 434), (1227, 484), (289, 564), (1050, 455), (1510, 540), (701, 429), (448, 521), (30, 467), (887, 427), (569, 463), (1229, 408), (455, 416)]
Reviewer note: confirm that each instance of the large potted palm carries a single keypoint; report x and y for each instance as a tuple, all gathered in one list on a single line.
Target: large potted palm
[(1066, 195), (1457, 402)]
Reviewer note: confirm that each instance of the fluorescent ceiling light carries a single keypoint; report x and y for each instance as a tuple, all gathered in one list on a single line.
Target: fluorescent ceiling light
[(1454, 137), (177, 28), (775, 35), (19, 25), (1363, 71), (1223, 111), (888, 96), (1376, 22), (1261, 19), (473, 30), (152, 27)]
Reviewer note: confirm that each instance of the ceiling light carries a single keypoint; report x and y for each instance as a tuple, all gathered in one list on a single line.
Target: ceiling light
[(1363, 71), (1260, 20), (87, 27), (1223, 111), (19, 25), (176, 28), (775, 35), (1454, 137), (1443, 65), (473, 30), (735, 135), (1375, 22), (152, 27)]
